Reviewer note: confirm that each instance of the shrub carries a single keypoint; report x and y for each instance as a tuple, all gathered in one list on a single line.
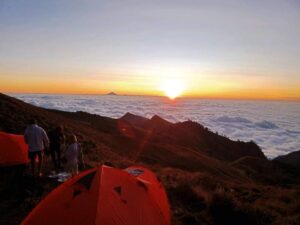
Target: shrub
[(225, 209), (184, 195)]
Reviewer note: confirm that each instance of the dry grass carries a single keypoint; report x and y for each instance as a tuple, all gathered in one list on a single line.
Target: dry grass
[(199, 198), (203, 189)]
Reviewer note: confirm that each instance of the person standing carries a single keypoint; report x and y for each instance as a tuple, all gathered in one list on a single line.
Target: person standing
[(74, 156), (57, 138), (37, 140)]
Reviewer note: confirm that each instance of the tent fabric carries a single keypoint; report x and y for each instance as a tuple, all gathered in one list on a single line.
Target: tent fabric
[(13, 150), (156, 189), (105, 196)]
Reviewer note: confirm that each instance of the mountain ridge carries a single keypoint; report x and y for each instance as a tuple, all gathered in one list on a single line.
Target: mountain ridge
[(194, 163)]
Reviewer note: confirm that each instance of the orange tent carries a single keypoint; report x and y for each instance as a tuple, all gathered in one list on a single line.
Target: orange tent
[(13, 149), (105, 196)]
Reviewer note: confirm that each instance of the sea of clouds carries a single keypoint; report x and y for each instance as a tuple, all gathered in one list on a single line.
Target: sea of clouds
[(273, 125)]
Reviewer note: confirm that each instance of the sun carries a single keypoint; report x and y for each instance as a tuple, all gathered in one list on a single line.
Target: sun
[(172, 88)]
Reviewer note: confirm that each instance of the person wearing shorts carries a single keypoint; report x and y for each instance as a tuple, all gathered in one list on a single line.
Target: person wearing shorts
[(37, 140)]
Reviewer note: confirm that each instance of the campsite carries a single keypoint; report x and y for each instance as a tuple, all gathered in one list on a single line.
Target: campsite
[(138, 112), (208, 178)]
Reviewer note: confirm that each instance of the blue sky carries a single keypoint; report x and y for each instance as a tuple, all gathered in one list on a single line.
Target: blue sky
[(133, 40)]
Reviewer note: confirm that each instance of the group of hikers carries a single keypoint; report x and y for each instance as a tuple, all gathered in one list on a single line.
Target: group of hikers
[(52, 144)]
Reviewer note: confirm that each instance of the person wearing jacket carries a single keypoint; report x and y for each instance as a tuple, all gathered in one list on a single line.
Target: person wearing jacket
[(57, 139), (37, 141)]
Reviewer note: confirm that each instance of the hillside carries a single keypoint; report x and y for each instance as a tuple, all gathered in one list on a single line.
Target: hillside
[(290, 161), (209, 178)]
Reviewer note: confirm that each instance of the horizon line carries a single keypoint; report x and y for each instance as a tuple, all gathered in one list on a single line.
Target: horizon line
[(160, 96)]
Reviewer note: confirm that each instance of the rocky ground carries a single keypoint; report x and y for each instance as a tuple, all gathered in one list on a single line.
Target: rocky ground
[(209, 178)]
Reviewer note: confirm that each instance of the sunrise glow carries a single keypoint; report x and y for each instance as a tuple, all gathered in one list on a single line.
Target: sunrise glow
[(172, 88), (148, 49)]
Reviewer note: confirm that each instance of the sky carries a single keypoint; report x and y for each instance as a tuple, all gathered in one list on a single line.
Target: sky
[(212, 48)]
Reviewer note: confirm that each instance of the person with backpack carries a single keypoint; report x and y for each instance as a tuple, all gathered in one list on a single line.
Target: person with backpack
[(57, 139)]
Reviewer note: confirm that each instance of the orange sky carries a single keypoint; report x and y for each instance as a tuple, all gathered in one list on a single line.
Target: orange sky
[(214, 50), (194, 85)]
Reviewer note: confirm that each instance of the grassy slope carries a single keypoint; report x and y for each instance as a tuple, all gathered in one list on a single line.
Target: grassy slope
[(209, 178)]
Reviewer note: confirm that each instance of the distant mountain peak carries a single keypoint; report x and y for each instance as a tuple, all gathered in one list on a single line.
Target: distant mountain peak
[(111, 93)]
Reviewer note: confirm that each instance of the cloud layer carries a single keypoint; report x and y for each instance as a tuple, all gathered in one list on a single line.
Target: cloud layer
[(274, 126)]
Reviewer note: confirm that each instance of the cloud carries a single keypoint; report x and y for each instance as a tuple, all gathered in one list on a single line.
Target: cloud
[(227, 119), (274, 127), (266, 124)]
